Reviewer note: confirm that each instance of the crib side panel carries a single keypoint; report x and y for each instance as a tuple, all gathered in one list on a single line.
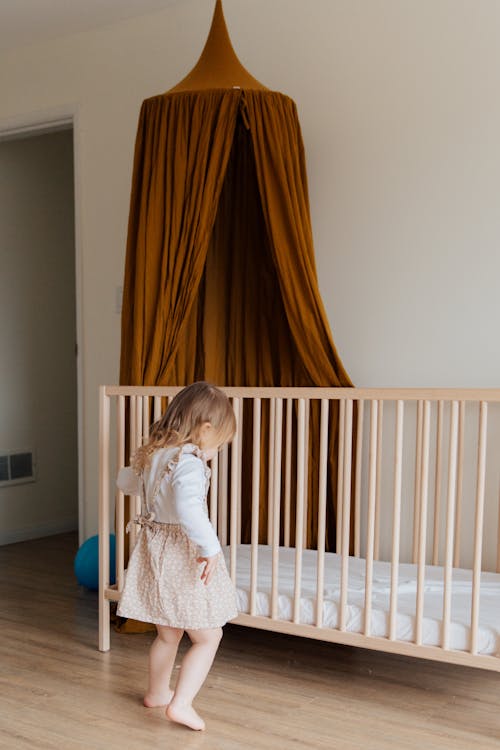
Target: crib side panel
[(381, 476)]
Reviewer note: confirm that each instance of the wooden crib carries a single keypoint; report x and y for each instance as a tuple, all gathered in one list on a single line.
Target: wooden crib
[(416, 567)]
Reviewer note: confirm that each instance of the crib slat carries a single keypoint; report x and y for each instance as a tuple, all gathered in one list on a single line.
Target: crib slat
[(214, 482), (479, 522), (450, 523), (422, 532), (437, 483), (372, 491), (376, 549), (270, 470), (132, 421), (223, 474), (340, 477), (306, 472), (396, 519), (120, 498), (104, 441), (157, 408), (138, 443), (418, 476), (138, 421), (460, 477), (133, 447), (233, 538), (239, 460), (323, 467), (276, 505), (145, 419), (255, 503), (346, 515), (299, 522), (498, 533), (357, 491), (288, 472)]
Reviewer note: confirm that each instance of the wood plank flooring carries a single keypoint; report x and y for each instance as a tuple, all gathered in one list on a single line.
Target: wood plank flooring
[(266, 691)]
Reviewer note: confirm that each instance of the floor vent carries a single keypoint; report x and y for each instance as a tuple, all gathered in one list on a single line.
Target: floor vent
[(16, 467)]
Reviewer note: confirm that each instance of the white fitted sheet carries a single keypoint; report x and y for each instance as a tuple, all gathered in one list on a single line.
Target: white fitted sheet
[(489, 610)]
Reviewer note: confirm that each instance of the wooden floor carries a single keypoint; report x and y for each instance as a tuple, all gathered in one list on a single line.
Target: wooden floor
[(265, 690)]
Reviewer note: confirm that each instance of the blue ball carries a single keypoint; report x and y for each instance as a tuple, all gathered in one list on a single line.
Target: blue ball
[(86, 564)]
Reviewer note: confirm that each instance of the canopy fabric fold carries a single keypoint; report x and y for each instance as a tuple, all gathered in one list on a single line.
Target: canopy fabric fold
[(179, 165), (281, 171)]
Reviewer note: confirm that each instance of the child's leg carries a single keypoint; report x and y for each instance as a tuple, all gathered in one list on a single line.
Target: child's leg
[(194, 669), (161, 662)]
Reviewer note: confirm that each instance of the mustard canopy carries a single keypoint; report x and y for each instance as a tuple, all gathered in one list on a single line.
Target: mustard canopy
[(220, 277)]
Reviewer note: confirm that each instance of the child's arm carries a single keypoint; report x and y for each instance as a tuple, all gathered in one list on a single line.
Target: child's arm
[(188, 484), (128, 481)]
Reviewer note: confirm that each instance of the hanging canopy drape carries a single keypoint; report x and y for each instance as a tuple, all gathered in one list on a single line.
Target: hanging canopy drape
[(184, 145), (220, 278)]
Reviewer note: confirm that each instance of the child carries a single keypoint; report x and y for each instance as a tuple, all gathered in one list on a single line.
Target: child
[(177, 576)]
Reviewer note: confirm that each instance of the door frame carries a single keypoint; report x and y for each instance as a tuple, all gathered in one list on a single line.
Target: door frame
[(38, 123)]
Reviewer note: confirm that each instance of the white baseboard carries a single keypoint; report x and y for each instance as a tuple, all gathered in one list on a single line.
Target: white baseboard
[(36, 532)]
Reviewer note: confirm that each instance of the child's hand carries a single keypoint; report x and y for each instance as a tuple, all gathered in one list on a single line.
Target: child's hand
[(208, 570)]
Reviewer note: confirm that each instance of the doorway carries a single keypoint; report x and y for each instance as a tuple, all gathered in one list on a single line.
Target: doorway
[(38, 370)]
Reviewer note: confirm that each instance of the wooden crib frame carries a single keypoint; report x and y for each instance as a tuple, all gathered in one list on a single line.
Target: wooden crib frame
[(439, 442)]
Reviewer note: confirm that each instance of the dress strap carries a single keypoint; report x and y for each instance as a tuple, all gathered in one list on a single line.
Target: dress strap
[(166, 470), (196, 451), (146, 516), (169, 466)]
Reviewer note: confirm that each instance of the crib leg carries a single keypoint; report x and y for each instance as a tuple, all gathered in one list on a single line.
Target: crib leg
[(104, 623), (104, 603), (104, 439)]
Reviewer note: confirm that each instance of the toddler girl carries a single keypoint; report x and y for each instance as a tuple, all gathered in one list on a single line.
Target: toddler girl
[(177, 576)]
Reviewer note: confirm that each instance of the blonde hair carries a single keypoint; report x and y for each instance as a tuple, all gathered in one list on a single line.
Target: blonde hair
[(195, 405)]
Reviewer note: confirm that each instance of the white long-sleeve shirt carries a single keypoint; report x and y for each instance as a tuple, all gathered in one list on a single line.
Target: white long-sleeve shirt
[(176, 493)]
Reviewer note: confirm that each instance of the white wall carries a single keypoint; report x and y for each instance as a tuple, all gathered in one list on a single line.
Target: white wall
[(37, 314), (400, 116)]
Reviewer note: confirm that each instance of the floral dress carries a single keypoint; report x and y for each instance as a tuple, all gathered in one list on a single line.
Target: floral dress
[(163, 581)]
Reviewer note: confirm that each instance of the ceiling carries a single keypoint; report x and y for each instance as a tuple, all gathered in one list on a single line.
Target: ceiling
[(24, 22)]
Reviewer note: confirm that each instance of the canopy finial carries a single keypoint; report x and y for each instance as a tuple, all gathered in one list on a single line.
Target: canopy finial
[(218, 66)]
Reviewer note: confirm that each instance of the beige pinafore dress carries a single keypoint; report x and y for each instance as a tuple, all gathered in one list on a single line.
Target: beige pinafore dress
[(163, 584)]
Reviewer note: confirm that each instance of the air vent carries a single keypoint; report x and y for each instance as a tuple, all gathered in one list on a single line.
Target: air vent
[(16, 467), (4, 468)]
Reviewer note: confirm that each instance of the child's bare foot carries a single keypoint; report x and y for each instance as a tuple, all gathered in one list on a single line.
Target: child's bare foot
[(156, 701), (185, 715)]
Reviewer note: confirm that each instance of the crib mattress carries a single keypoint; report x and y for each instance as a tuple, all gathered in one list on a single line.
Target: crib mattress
[(489, 610)]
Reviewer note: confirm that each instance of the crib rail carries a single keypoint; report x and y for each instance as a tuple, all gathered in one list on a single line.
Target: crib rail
[(413, 475)]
